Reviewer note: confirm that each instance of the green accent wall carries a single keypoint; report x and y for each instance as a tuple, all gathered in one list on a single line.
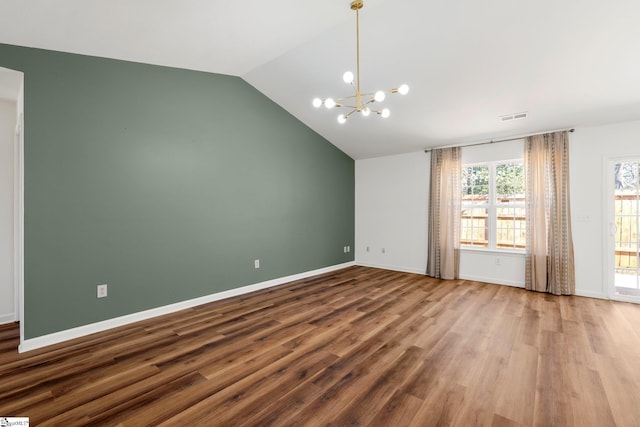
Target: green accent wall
[(165, 184)]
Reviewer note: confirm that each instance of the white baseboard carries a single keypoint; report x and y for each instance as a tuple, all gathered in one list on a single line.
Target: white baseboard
[(80, 331), (493, 281), (7, 318), (588, 294), (591, 294), (392, 267)]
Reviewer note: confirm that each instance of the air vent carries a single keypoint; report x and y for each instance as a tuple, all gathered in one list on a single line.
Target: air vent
[(515, 116)]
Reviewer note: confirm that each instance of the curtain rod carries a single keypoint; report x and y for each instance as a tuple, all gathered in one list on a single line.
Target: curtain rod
[(428, 150)]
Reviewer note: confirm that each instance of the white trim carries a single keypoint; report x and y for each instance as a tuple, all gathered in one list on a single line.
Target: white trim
[(590, 294), (18, 218), (7, 318), (493, 281), (392, 268), (490, 280), (18, 236), (622, 298), (494, 251), (609, 219), (58, 337)]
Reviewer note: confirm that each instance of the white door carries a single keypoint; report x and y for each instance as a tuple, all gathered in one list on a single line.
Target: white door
[(623, 228)]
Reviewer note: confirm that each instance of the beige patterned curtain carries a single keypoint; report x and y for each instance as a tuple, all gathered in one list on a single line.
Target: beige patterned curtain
[(549, 248), (444, 213)]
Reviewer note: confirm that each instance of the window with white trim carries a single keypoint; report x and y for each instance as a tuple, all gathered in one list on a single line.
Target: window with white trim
[(493, 210)]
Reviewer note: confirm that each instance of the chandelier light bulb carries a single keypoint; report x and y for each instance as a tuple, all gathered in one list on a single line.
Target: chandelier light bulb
[(385, 113), (329, 103), (403, 90), (379, 96), (317, 102), (348, 77), (366, 111), (342, 119)]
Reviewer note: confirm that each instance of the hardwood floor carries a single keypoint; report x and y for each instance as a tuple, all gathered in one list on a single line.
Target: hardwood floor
[(359, 346)]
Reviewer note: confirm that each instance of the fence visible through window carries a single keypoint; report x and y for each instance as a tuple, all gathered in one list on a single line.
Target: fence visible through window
[(510, 225)]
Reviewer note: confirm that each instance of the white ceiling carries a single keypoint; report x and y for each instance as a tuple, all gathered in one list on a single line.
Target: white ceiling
[(565, 62)]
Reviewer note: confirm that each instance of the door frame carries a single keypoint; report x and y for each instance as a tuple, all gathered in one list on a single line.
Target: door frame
[(18, 218), (608, 215)]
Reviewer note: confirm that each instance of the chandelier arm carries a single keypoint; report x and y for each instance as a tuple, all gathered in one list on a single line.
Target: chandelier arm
[(346, 116), (368, 94), (346, 97)]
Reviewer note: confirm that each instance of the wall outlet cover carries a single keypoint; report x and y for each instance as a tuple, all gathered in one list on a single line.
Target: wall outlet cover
[(102, 291)]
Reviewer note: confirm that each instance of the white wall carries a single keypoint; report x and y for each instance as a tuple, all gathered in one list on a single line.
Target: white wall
[(391, 209), (590, 149), (391, 212), (7, 132)]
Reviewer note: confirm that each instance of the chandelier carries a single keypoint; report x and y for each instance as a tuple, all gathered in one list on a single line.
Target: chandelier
[(361, 100)]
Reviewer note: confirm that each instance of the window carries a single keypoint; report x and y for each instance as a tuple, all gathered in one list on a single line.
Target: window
[(474, 227), (493, 211)]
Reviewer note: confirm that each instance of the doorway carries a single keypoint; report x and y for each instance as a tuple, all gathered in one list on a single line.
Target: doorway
[(624, 227), (11, 196)]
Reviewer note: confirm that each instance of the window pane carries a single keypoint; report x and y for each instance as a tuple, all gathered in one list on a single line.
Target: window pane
[(475, 184), (627, 210), (510, 228), (628, 177), (510, 221), (510, 183), (474, 227)]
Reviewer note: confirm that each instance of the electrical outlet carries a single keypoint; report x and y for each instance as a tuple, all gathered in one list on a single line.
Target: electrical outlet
[(256, 263), (102, 290), (498, 260)]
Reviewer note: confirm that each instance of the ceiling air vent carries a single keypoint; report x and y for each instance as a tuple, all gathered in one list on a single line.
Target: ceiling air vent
[(515, 116)]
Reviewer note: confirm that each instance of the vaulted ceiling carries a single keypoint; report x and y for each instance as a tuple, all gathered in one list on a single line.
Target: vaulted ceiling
[(566, 63)]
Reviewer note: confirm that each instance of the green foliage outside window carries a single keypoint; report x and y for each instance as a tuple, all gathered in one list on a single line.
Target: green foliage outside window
[(475, 180), (510, 179)]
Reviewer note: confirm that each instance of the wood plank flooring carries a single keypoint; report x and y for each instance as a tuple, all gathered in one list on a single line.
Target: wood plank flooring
[(360, 346)]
